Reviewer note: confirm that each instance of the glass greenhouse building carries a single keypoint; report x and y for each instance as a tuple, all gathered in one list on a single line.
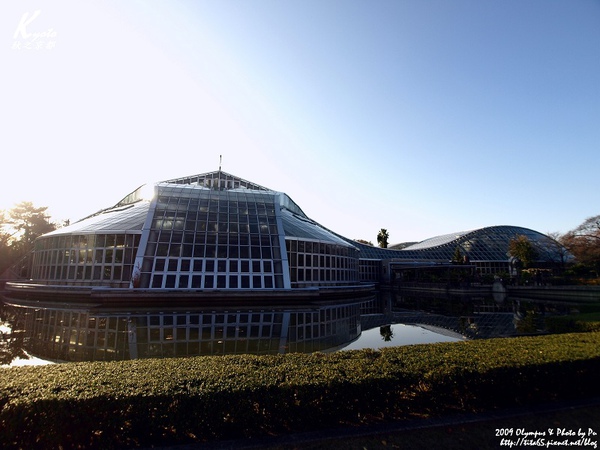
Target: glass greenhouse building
[(216, 231), (486, 249), (208, 231)]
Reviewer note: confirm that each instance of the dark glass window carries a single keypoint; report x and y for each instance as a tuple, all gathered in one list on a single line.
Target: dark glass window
[(170, 281), (245, 266), (157, 281), (245, 281), (196, 281), (183, 281)]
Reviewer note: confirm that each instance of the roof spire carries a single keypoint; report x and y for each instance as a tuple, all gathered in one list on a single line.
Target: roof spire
[(219, 187)]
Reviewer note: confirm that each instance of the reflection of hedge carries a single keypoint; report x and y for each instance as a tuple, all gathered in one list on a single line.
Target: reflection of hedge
[(573, 324), (168, 401)]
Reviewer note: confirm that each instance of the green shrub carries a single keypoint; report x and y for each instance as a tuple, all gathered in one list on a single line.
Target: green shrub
[(172, 401)]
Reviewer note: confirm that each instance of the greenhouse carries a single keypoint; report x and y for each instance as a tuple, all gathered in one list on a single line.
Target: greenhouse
[(486, 249), (208, 231), (216, 231)]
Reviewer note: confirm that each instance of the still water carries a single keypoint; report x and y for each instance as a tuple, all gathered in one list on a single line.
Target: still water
[(36, 333), (401, 334)]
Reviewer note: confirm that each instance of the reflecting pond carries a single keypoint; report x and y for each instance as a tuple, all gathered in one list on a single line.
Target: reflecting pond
[(36, 333)]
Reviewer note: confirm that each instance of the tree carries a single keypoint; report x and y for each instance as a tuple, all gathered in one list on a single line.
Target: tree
[(382, 238), (5, 237), (4, 231), (457, 257), (521, 248), (559, 253), (19, 228), (584, 243)]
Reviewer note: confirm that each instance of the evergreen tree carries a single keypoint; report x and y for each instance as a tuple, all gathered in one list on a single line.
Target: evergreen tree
[(457, 257), (382, 238), (521, 248), (19, 228)]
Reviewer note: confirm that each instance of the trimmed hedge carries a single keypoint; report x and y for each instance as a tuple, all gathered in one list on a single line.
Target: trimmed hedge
[(170, 401)]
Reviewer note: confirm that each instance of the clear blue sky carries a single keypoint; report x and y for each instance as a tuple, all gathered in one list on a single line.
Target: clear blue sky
[(423, 117)]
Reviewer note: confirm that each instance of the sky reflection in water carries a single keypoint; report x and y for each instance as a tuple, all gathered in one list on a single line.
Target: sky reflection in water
[(401, 335)]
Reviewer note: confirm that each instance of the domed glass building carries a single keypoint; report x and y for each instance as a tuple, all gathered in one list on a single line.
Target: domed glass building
[(486, 249), (207, 231)]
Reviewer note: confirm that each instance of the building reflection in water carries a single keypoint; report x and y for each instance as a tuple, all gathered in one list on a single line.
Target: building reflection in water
[(85, 334)]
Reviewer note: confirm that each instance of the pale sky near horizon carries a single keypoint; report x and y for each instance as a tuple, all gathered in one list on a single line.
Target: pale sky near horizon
[(424, 117)]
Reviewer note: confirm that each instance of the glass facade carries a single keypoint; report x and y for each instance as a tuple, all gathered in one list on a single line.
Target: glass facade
[(370, 270), (314, 263), (98, 259), (210, 239)]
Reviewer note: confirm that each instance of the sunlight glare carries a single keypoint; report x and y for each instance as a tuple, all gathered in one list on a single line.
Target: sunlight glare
[(147, 191)]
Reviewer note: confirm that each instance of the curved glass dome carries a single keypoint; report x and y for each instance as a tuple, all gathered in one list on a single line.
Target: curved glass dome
[(484, 244), (486, 249)]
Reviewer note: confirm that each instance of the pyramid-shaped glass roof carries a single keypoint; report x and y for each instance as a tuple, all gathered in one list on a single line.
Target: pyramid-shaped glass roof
[(218, 180)]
